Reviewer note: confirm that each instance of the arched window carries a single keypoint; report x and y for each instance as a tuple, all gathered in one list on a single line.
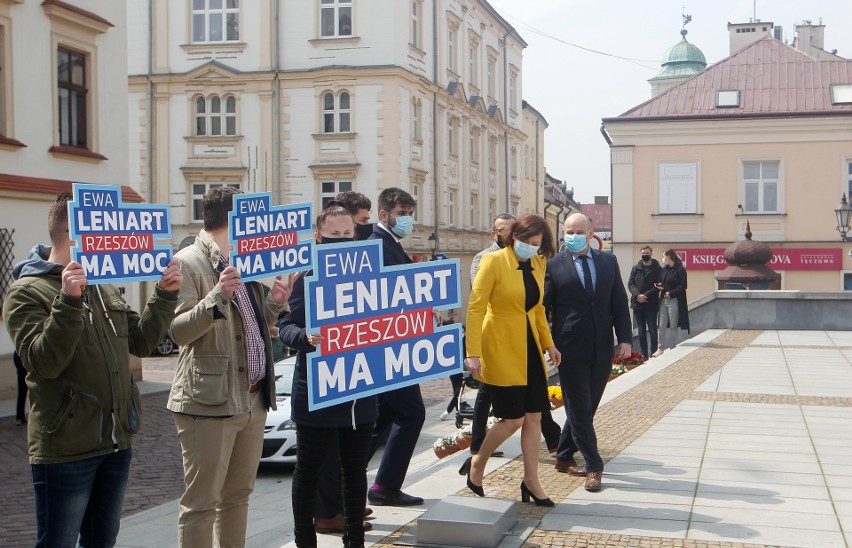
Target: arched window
[(214, 119), (336, 112)]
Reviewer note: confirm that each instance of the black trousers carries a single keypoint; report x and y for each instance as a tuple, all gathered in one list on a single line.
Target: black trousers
[(313, 443), (456, 381), (583, 386), (402, 412), (329, 501)]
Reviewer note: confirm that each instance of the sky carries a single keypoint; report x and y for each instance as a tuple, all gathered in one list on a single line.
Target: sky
[(574, 89)]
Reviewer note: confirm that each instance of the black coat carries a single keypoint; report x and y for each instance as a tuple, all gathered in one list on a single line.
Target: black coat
[(291, 329), (674, 282), (393, 254), (642, 280), (581, 325)]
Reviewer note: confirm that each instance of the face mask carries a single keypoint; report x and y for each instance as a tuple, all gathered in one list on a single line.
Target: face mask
[(325, 240), (362, 232), (575, 242), (404, 226), (524, 250), (500, 243), (646, 258)]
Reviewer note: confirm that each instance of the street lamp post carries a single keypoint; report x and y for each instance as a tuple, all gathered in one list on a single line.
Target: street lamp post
[(844, 214), (433, 244)]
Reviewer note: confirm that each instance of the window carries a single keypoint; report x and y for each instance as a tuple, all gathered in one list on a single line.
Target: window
[(336, 112), (513, 166), (214, 120), (335, 18), (330, 189), (492, 154), (678, 187), (474, 201), (841, 94), (73, 116), (415, 23), (847, 281), (452, 144), (492, 205), (526, 161), (492, 68), (215, 21), (416, 113), (513, 90), (415, 193), (452, 38), (474, 146), (760, 187), (4, 77), (451, 208), (198, 192), (473, 63), (848, 179)]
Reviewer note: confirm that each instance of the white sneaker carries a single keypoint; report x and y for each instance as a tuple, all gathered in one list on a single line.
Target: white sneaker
[(658, 353), (445, 415)]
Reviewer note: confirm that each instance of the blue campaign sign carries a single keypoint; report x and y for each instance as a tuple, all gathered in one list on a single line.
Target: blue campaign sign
[(117, 242), (266, 237), (378, 323)]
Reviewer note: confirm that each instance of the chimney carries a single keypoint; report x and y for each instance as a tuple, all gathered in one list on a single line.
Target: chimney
[(601, 200), (743, 34), (809, 36)]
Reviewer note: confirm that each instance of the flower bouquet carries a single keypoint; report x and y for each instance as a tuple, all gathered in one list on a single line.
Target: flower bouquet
[(617, 371), (554, 394), (632, 361)]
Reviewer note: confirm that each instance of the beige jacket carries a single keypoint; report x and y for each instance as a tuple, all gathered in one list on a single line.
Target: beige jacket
[(212, 370)]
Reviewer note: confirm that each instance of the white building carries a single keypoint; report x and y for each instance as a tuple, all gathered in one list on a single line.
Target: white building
[(63, 118), (307, 99)]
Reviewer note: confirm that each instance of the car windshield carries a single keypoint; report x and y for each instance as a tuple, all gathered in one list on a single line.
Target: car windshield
[(284, 376)]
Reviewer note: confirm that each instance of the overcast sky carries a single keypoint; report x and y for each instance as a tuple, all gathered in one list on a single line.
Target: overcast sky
[(574, 89)]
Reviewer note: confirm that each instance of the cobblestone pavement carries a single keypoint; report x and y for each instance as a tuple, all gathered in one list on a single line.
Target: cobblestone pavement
[(156, 474)]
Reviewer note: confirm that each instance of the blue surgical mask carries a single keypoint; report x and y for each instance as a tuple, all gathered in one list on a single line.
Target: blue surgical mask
[(404, 226), (525, 250), (575, 242)]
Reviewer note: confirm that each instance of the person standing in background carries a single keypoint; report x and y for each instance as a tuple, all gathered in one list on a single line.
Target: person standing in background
[(645, 299), (674, 312), (359, 207)]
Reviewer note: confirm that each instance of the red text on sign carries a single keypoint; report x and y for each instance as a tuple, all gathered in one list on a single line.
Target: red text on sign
[(377, 330), (267, 242)]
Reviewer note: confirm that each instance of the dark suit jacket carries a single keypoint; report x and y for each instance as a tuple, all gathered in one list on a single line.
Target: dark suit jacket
[(582, 326), (393, 252)]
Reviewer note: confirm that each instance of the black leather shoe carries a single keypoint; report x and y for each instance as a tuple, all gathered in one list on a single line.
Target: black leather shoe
[(392, 497)]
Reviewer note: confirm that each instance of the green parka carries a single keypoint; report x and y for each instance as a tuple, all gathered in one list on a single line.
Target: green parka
[(83, 402)]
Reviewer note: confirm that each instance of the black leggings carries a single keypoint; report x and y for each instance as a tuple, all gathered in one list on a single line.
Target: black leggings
[(456, 381), (312, 444)]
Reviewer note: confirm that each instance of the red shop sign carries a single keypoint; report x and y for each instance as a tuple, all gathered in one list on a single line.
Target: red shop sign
[(782, 259)]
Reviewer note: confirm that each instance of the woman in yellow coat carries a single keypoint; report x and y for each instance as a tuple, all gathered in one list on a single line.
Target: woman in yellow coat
[(507, 334)]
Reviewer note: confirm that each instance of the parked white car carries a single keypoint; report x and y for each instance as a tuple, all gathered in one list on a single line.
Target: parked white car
[(279, 436)]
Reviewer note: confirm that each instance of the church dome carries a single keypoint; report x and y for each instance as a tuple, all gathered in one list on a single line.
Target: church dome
[(682, 60)]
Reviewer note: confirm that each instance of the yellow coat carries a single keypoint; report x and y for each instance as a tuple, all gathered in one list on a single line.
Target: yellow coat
[(496, 318)]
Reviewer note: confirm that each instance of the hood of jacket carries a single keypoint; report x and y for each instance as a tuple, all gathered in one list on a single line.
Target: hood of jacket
[(36, 263)]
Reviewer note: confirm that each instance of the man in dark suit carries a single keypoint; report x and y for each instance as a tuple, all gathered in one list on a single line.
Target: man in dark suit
[(401, 410), (585, 295)]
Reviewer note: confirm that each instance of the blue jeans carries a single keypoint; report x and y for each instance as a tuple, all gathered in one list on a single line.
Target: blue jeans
[(645, 319), (81, 498)]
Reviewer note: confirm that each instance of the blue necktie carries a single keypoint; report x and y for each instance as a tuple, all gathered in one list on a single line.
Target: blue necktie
[(587, 276)]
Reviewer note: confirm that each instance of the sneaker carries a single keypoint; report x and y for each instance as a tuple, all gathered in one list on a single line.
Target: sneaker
[(658, 353), (466, 407), (445, 415)]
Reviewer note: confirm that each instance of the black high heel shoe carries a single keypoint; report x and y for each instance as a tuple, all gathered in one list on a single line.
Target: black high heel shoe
[(526, 494), (465, 471)]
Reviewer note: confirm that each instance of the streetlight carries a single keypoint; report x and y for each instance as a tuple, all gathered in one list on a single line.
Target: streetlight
[(433, 244), (843, 213)]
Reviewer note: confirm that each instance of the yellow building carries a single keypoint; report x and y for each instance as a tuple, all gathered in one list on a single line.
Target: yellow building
[(763, 136)]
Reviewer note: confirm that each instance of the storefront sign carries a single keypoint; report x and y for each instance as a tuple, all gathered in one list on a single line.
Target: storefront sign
[(117, 242), (782, 259), (377, 323), (266, 237)]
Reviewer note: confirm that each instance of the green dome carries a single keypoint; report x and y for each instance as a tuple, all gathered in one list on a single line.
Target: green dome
[(682, 59)]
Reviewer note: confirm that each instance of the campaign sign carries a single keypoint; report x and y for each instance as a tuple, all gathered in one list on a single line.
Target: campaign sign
[(117, 242), (378, 327), (266, 237)]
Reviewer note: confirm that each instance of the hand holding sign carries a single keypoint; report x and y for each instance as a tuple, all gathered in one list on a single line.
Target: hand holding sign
[(281, 289), (74, 279), (229, 281), (172, 277)]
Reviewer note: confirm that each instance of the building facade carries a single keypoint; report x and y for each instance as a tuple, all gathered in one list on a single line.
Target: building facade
[(743, 141), (63, 118), (308, 99)]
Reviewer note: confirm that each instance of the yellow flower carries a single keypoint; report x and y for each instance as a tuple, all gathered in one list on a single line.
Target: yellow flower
[(554, 392)]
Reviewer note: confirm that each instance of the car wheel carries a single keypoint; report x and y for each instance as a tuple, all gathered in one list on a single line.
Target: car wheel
[(166, 347)]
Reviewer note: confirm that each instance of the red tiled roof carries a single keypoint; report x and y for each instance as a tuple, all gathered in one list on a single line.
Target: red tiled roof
[(600, 214), (53, 187), (773, 79)]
